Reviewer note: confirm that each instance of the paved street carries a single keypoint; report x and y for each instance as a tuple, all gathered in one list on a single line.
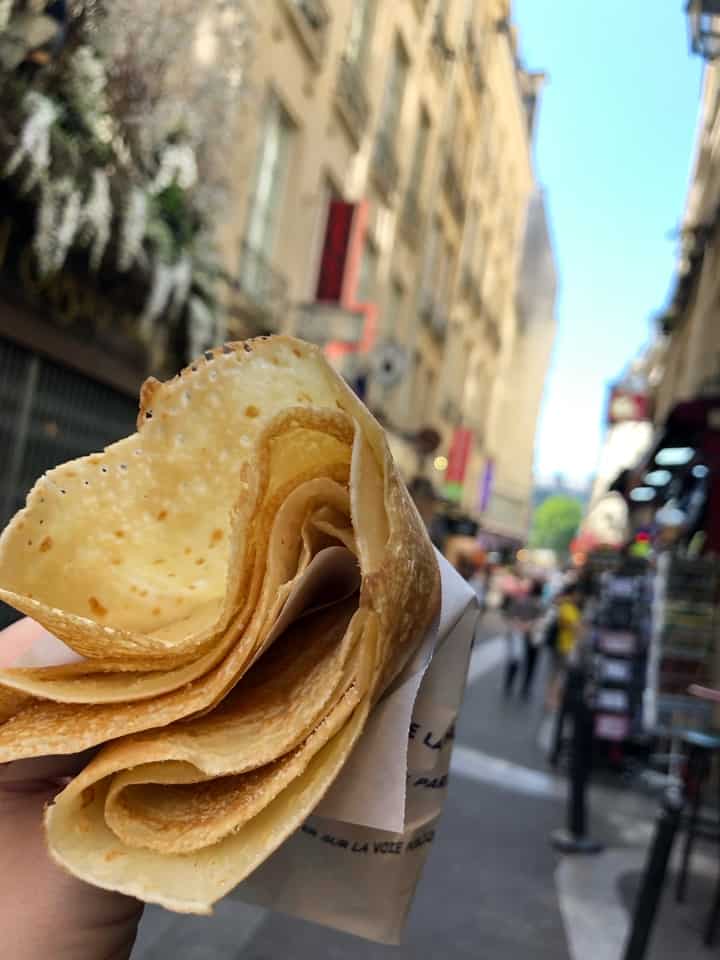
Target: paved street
[(493, 888)]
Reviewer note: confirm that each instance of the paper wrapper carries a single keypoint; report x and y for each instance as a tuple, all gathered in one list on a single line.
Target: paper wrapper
[(355, 864)]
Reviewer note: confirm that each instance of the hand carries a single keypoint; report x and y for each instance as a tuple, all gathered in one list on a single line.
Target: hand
[(705, 693), (44, 911)]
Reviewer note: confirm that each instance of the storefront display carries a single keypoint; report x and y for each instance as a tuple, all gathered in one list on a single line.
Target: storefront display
[(682, 641), (619, 646)]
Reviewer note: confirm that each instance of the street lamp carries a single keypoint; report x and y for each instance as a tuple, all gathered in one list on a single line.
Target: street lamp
[(704, 27)]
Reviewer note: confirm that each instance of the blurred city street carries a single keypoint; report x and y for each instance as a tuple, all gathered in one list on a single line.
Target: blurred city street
[(324, 325), (493, 887)]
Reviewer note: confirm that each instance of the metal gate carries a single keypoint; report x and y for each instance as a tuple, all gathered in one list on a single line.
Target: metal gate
[(49, 414)]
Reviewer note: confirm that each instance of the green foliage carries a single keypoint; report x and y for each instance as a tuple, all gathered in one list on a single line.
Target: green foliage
[(175, 209), (555, 523)]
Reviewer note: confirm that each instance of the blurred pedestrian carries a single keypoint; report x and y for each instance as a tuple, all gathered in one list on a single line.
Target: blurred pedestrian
[(511, 586), (533, 636), (426, 500), (523, 612), (465, 566), (480, 582)]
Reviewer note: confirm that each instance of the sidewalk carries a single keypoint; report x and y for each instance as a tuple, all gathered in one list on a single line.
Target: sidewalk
[(493, 888), (595, 895)]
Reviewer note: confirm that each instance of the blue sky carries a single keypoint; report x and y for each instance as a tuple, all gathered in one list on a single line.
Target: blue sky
[(614, 144)]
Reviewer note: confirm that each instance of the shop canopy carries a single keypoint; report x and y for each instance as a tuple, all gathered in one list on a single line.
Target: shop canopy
[(682, 465)]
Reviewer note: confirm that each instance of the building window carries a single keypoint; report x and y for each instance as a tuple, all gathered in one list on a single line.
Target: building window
[(422, 140), (431, 254), (411, 215), (360, 33), (368, 274), (444, 275), (352, 98), (471, 237), (463, 151), (452, 260), (385, 165), (426, 400), (311, 19), (444, 53), (394, 317), (420, 7), (452, 121), (394, 91), (434, 297), (486, 133), (328, 193), (270, 179)]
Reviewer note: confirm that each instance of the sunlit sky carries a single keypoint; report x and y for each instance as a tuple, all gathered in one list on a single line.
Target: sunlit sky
[(614, 146)]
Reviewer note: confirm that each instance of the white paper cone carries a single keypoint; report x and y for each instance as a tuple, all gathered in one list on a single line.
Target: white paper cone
[(355, 864), (357, 869)]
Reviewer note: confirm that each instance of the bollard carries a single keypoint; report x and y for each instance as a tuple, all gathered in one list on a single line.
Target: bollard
[(563, 712), (574, 839), (653, 878)]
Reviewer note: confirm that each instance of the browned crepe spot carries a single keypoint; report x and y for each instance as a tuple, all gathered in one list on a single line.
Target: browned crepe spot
[(96, 607)]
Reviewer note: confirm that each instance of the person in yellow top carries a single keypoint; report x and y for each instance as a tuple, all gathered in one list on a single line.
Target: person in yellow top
[(568, 616)]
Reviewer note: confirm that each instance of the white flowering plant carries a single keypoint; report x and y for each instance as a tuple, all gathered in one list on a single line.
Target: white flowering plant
[(115, 159)]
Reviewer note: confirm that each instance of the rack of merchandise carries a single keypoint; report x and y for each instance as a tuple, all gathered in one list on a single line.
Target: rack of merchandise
[(602, 561), (685, 621), (618, 649)]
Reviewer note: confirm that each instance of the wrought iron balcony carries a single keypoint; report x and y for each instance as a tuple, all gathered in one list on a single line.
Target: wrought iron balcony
[(311, 19), (261, 293), (351, 99), (433, 314), (385, 165), (412, 219), (453, 189)]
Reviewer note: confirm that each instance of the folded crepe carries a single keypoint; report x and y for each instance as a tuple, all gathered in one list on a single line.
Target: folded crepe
[(238, 582)]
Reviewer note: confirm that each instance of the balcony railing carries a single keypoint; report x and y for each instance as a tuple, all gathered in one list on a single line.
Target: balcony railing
[(433, 314), (412, 219), (261, 292), (385, 165), (351, 99), (311, 19), (453, 189)]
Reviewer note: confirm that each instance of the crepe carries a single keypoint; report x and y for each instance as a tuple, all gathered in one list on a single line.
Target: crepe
[(240, 581)]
